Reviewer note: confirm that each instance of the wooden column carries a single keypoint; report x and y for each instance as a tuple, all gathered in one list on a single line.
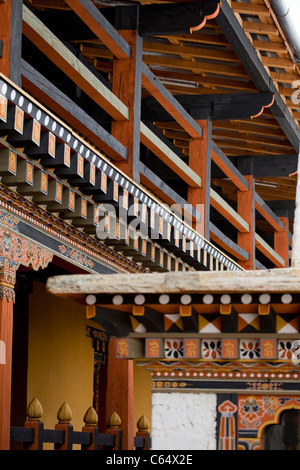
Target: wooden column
[(127, 87), (119, 394), (200, 162), (7, 281), (246, 209), (281, 241), (11, 37)]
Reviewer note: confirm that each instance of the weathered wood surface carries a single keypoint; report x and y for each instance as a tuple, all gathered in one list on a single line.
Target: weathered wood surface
[(275, 280), (296, 233)]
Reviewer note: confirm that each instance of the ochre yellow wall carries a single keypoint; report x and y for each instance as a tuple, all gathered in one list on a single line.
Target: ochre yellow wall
[(60, 357), (61, 361), (142, 393)]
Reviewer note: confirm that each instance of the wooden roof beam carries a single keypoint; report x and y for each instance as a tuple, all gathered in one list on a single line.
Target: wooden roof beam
[(169, 103), (225, 106), (228, 168), (250, 9), (203, 79), (268, 214), (176, 18), (270, 46), (228, 212), (61, 104), (227, 244), (260, 28), (237, 37), (162, 151), (58, 53), (101, 27), (268, 251)]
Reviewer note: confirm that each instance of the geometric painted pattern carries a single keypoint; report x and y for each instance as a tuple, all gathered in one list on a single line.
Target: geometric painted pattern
[(248, 322), (211, 323), (287, 323), (173, 322), (137, 326), (229, 349)]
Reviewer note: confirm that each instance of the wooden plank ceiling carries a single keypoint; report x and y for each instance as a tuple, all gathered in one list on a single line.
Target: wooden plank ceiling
[(204, 62)]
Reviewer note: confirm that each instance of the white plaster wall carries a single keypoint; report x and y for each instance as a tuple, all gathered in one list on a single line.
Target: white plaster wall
[(184, 421)]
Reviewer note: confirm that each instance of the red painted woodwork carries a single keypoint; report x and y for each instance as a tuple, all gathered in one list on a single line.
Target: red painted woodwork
[(97, 29), (124, 82), (198, 163), (6, 328), (37, 426), (119, 394), (5, 35), (281, 242), (245, 208)]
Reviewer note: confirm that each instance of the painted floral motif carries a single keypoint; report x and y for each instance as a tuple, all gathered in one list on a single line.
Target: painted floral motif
[(173, 348), (250, 349), (8, 220), (285, 349), (211, 349), (74, 255), (252, 410), (20, 251)]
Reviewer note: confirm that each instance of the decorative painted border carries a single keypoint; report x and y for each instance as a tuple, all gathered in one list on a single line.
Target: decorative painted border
[(257, 372), (42, 220)]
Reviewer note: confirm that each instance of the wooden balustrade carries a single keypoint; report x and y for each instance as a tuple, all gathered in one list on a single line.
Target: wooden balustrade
[(34, 435)]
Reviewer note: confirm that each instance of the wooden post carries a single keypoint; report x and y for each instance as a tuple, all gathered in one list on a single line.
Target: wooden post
[(119, 394), (143, 426), (200, 162), (34, 414), (113, 427), (246, 209), (64, 416), (90, 420), (11, 37), (296, 229), (7, 294), (127, 87), (281, 241)]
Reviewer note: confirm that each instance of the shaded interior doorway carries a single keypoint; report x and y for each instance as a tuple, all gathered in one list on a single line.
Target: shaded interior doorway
[(286, 434)]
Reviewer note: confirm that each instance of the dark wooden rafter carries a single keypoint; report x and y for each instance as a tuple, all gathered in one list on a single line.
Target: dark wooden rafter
[(11, 39), (103, 30), (45, 91), (176, 18), (184, 109), (85, 169), (169, 103), (243, 48), (165, 18), (233, 106), (42, 37)]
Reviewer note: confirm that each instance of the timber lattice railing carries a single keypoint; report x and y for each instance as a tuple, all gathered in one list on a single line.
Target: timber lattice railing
[(33, 435)]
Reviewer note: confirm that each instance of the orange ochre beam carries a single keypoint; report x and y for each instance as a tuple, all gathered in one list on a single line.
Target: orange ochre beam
[(119, 394), (199, 197), (5, 36), (7, 278), (245, 208), (85, 13), (124, 87)]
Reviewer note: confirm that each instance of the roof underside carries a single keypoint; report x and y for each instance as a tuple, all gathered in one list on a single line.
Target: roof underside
[(205, 62)]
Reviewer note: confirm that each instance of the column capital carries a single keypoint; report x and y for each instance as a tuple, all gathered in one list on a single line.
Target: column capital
[(7, 282)]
